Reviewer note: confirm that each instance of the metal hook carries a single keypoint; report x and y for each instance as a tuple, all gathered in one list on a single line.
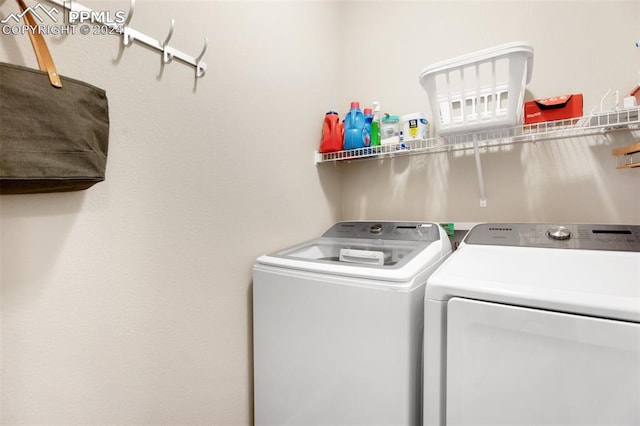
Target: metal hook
[(127, 37), (68, 8), (166, 55), (132, 6), (201, 67)]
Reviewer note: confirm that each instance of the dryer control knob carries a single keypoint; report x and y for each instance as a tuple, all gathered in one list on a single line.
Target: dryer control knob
[(559, 233), (376, 229)]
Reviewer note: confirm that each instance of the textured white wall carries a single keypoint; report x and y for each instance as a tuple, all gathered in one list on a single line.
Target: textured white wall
[(130, 303), (580, 47)]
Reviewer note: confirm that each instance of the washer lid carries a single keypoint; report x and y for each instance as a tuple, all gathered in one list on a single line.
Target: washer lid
[(391, 251), (589, 282)]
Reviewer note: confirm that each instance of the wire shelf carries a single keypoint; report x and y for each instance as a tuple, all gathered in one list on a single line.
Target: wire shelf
[(586, 125)]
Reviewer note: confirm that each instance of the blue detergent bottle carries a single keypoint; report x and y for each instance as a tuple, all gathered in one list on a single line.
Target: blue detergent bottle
[(354, 135)]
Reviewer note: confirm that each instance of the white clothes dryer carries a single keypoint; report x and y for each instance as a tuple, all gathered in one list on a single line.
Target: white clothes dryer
[(535, 324), (338, 325)]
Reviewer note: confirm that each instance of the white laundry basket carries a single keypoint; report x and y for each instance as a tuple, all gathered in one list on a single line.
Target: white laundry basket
[(479, 91)]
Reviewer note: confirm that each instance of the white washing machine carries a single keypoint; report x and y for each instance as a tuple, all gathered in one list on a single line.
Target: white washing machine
[(535, 324), (338, 325)]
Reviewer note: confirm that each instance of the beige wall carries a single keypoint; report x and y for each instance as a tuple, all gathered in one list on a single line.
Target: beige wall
[(579, 47), (130, 303)]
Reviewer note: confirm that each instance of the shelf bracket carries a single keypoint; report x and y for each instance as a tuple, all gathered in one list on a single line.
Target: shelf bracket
[(483, 195)]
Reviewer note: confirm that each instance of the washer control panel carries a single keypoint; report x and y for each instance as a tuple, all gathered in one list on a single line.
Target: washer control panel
[(550, 235), (402, 231)]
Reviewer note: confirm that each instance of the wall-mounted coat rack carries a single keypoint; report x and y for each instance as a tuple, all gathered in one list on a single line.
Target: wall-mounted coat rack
[(129, 35)]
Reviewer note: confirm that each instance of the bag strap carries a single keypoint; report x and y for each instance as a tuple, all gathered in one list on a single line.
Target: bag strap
[(45, 61)]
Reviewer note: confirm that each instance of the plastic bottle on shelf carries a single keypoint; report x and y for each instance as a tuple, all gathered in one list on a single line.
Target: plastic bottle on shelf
[(331, 133), (368, 121), (375, 125), (354, 127), (390, 133)]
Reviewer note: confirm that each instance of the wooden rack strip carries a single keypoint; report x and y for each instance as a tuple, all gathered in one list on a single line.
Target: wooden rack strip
[(628, 152)]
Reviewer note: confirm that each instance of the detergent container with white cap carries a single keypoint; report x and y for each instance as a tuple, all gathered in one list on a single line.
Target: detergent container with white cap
[(414, 127)]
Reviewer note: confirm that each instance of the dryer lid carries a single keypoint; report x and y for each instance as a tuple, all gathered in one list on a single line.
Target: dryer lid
[(593, 282), (560, 236)]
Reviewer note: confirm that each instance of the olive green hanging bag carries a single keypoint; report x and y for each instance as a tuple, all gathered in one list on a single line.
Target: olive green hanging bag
[(54, 131)]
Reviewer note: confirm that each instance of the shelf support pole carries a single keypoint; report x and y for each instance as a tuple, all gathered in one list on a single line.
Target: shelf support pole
[(483, 195)]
